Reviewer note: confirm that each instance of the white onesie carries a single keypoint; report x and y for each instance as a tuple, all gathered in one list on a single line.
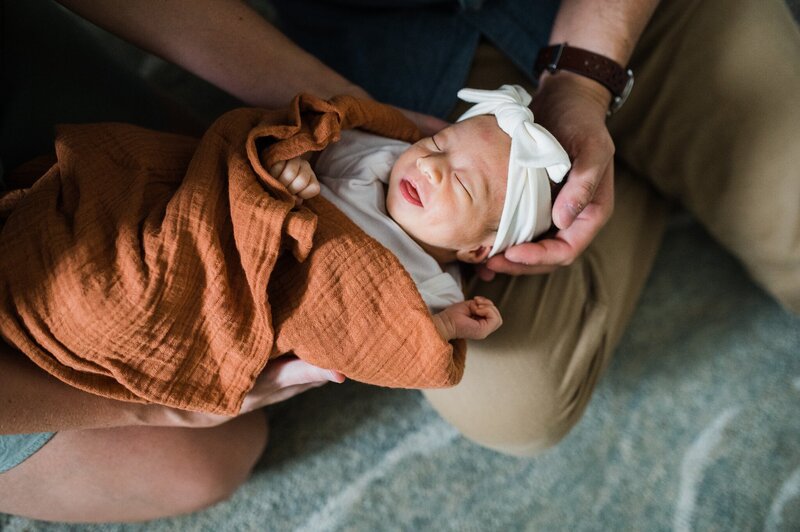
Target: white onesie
[(353, 175)]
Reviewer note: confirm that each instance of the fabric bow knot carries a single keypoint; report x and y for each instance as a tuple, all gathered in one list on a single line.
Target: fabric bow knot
[(536, 157)]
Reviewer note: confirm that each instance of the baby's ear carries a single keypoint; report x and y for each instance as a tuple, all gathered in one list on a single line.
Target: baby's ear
[(474, 256)]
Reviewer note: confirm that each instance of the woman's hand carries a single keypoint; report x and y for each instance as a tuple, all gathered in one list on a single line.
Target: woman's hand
[(573, 108), (283, 378)]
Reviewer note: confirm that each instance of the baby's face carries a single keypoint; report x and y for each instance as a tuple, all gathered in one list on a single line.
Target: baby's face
[(447, 191)]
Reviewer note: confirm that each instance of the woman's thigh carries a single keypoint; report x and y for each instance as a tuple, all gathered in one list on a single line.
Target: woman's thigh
[(133, 473)]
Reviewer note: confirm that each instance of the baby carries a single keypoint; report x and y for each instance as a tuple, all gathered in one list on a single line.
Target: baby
[(466, 193)]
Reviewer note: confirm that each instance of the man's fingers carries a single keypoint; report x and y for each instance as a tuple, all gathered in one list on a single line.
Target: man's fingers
[(546, 255), (500, 264), (577, 193), (589, 169), (485, 273), (573, 198), (548, 252)]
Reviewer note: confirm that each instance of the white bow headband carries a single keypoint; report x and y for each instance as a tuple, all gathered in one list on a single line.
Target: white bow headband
[(536, 157)]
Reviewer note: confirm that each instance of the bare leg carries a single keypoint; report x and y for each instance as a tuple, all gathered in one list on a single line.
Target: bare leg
[(133, 473)]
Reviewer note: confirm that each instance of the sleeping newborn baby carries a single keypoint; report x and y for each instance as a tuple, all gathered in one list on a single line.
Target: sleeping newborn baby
[(465, 194)]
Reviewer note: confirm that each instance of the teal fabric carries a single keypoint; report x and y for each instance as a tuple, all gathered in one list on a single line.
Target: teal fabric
[(16, 448)]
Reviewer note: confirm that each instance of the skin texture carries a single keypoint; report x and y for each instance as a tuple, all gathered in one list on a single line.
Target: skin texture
[(460, 177)]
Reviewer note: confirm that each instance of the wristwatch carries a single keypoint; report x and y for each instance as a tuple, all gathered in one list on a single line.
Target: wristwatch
[(617, 79)]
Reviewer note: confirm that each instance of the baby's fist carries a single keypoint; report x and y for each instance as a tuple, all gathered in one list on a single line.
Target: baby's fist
[(297, 176), (474, 319)]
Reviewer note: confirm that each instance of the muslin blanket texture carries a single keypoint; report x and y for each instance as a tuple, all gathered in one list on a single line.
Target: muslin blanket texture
[(153, 267)]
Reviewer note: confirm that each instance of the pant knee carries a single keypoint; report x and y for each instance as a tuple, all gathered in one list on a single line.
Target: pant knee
[(513, 423), (528, 437)]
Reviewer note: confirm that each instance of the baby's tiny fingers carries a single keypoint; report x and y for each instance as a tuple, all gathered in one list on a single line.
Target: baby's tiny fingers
[(482, 311), (299, 183), (289, 173), (276, 169), (310, 191)]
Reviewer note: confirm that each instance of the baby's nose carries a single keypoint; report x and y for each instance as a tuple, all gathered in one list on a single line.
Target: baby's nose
[(428, 167)]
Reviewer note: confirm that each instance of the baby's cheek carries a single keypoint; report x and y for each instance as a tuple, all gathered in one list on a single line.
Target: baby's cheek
[(391, 202)]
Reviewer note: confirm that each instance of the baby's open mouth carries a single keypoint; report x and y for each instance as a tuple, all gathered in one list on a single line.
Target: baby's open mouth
[(409, 192)]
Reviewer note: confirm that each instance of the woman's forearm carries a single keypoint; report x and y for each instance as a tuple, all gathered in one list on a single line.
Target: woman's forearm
[(34, 401), (225, 42)]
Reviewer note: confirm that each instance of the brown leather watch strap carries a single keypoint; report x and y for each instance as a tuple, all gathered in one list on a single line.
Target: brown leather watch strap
[(609, 73)]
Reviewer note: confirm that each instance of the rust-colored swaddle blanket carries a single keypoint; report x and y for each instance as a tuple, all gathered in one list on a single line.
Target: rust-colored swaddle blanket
[(147, 266)]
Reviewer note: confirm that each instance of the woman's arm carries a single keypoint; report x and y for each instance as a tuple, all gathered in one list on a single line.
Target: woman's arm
[(224, 42), (34, 401), (230, 45)]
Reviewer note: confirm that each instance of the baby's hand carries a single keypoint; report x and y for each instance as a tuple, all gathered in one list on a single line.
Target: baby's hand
[(474, 319), (298, 177)]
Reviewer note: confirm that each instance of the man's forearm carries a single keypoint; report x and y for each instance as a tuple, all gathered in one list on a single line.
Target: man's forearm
[(607, 27), (34, 401), (224, 42)]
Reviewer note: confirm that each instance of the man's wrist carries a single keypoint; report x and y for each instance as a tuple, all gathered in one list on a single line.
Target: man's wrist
[(568, 81), (605, 71)]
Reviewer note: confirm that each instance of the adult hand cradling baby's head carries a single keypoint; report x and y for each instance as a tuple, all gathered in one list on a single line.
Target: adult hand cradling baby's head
[(536, 160)]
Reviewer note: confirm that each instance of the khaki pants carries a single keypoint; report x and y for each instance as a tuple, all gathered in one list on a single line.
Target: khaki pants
[(713, 122)]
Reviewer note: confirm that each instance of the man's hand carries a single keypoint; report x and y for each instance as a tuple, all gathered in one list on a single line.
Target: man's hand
[(573, 109), (474, 319), (298, 177)]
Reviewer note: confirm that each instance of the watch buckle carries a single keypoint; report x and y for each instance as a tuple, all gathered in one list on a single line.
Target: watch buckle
[(618, 101), (552, 65)]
